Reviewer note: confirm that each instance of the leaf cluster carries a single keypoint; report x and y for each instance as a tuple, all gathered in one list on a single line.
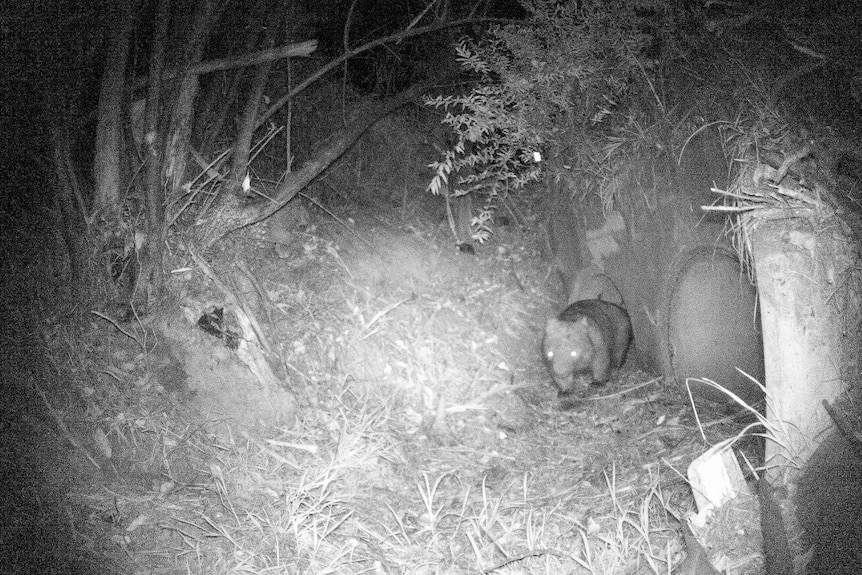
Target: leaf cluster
[(559, 82)]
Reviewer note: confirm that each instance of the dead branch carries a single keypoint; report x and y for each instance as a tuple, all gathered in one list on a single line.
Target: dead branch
[(231, 214), (249, 350), (298, 50)]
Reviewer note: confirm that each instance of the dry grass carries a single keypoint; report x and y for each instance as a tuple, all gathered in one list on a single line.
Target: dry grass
[(427, 440), (794, 444)]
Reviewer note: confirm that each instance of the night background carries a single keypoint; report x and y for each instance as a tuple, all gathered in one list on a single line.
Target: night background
[(276, 278)]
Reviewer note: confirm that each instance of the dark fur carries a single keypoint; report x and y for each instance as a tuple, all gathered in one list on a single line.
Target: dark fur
[(584, 342)]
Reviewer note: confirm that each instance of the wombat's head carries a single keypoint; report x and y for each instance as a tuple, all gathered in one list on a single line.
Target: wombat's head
[(568, 353)]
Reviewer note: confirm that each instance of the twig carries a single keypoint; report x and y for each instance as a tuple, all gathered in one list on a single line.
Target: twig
[(297, 370), (278, 457), (62, 425), (478, 403), (120, 329), (623, 391), (213, 173), (536, 553), (696, 132), (337, 219), (243, 303), (296, 50), (380, 314), (261, 292)]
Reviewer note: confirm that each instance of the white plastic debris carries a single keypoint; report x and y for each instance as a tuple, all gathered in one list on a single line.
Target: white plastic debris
[(715, 478)]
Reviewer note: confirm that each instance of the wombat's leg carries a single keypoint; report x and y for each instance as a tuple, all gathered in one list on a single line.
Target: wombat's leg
[(621, 348), (601, 358), (601, 366)]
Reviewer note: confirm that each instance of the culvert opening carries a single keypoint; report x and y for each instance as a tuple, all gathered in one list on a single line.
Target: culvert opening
[(713, 327)]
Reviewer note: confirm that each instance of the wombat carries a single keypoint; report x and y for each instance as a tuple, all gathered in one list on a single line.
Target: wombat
[(585, 341)]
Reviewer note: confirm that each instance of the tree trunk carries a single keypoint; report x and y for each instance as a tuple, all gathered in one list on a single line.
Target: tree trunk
[(109, 134), (152, 274), (219, 112), (239, 165), (182, 116), (73, 219)]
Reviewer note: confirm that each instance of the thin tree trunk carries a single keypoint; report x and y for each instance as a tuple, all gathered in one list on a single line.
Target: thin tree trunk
[(152, 274), (219, 110), (73, 219), (217, 119), (222, 111), (109, 134), (239, 165), (182, 115)]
